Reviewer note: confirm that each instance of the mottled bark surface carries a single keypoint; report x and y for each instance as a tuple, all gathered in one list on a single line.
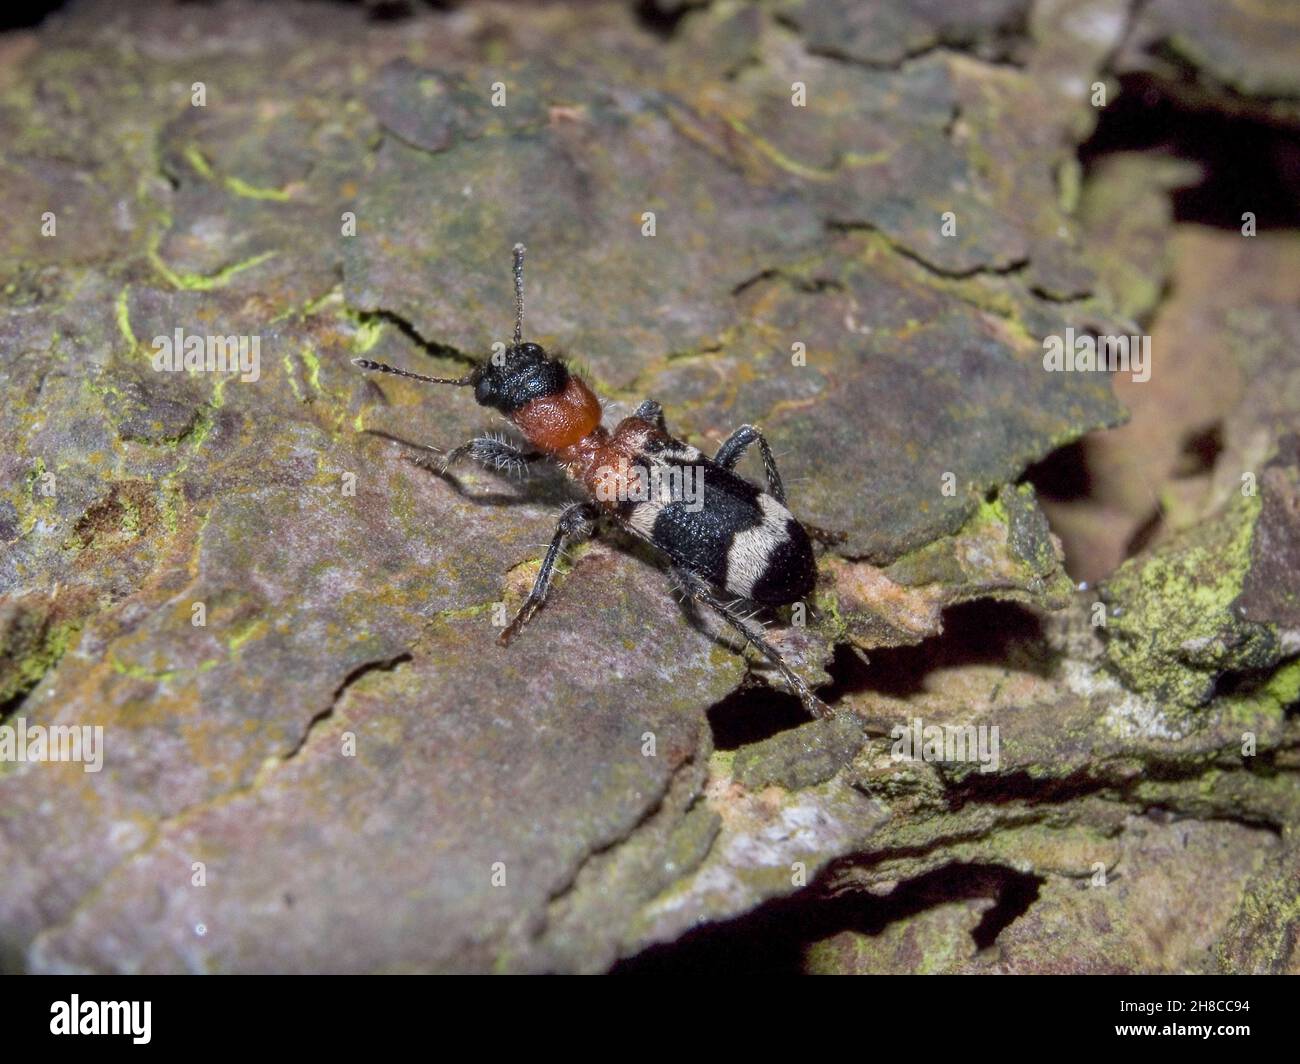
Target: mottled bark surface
[(340, 770)]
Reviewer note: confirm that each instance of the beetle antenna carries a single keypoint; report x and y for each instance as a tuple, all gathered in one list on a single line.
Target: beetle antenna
[(519, 250), (384, 367)]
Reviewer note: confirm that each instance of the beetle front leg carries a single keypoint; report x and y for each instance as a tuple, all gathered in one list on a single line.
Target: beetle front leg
[(500, 454)]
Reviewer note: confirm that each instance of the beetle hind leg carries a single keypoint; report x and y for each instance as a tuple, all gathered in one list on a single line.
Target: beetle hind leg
[(698, 590)]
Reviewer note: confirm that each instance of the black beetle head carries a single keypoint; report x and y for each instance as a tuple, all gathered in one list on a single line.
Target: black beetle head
[(518, 374)]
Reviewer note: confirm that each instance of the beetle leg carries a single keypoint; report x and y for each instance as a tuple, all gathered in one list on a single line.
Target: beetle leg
[(738, 443), (577, 521), (697, 589), (651, 411)]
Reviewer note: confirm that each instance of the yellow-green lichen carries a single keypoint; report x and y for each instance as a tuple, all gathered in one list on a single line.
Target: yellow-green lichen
[(198, 282), (32, 646), (124, 319), (1172, 629)]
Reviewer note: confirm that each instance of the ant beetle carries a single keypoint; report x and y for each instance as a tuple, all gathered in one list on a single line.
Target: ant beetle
[(734, 545)]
